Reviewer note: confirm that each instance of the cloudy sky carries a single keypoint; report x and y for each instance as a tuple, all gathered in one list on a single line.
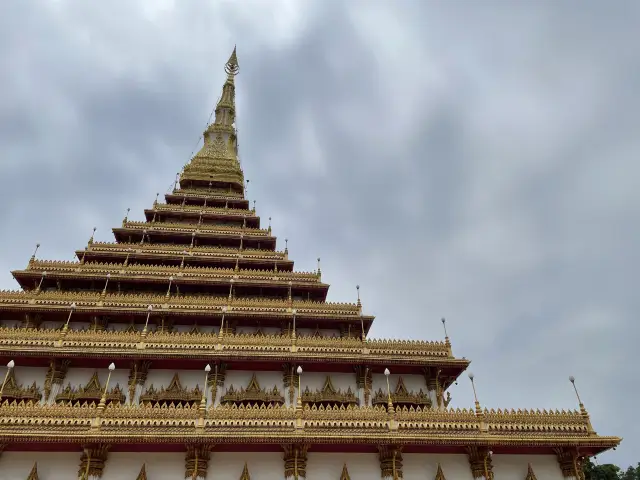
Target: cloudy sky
[(472, 160)]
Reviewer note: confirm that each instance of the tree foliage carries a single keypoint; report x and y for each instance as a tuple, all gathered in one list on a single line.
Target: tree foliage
[(609, 471)]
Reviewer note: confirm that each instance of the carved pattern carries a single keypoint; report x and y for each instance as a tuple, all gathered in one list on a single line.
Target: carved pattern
[(91, 392), (530, 474), (175, 394), (401, 396), (329, 396), (55, 375), (440, 473), (13, 391), (33, 475), (295, 460), (31, 320), (253, 394), (92, 461), (245, 473), (290, 379), (345, 473), (480, 462), (570, 463), (390, 461), (197, 461), (138, 372)]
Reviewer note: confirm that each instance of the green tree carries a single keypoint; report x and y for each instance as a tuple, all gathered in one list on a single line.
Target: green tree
[(607, 471)]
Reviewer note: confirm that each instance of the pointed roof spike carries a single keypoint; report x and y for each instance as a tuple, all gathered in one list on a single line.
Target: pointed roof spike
[(143, 473), (245, 471), (530, 474), (232, 67), (345, 473), (440, 473), (33, 475)]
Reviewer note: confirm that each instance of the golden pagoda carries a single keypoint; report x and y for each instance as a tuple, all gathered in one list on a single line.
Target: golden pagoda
[(191, 348)]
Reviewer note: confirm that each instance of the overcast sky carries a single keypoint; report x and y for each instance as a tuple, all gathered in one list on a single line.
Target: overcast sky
[(470, 160)]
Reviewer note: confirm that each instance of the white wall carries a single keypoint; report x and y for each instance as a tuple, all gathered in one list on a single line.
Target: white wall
[(270, 466)]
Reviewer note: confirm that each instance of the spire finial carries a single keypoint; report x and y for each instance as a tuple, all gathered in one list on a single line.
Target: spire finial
[(575, 389), (232, 67), (358, 289), (473, 385)]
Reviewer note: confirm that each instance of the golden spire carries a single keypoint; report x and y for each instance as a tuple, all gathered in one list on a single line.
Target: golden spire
[(245, 471), (232, 67), (440, 473), (345, 473), (34, 472), (143, 473), (216, 164), (530, 474)]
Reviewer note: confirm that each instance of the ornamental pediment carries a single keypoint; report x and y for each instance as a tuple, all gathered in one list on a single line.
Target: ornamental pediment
[(91, 392), (329, 395), (253, 394), (402, 396), (13, 391), (175, 393)]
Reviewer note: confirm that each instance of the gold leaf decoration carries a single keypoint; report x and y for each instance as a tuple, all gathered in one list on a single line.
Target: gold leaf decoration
[(530, 474), (245, 473)]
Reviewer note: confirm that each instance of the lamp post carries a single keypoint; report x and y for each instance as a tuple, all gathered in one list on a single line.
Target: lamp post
[(224, 310), (203, 402), (103, 400), (293, 333), (169, 289), (299, 370), (390, 403), (65, 328), (44, 274), (146, 323), (106, 283), (10, 366)]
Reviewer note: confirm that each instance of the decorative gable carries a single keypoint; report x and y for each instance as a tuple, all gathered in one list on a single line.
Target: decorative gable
[(175, 394), (253, 394), (403, 397), (91, 392), (13, 391), (329, 396)]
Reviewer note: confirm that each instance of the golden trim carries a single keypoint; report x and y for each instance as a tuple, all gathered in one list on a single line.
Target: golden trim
[(12, 391), (252, 395), (402, 396), (90, 393), (174, 394), (328, 395)]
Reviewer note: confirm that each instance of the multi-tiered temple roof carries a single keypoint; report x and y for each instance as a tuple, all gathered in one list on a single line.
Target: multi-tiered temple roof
[(201, 281)]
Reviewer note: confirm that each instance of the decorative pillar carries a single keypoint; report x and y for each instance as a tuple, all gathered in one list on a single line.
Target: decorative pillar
[(480, 462), (295, 461), (430, 378), (570, 463), (216, 379), (92, 461), (196, 461), (138, 371), (56, 374), (364, 380), (31, 320), (390, 461), (290, 380), (99, 323), (164, 325)]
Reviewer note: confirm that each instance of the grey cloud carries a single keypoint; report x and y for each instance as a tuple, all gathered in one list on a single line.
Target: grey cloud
[(470, 161)]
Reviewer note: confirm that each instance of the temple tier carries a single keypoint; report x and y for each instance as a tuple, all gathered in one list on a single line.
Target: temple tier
[(191, 348)]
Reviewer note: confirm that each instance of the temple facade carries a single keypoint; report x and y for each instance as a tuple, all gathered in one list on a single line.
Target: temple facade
[(191, 348)]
